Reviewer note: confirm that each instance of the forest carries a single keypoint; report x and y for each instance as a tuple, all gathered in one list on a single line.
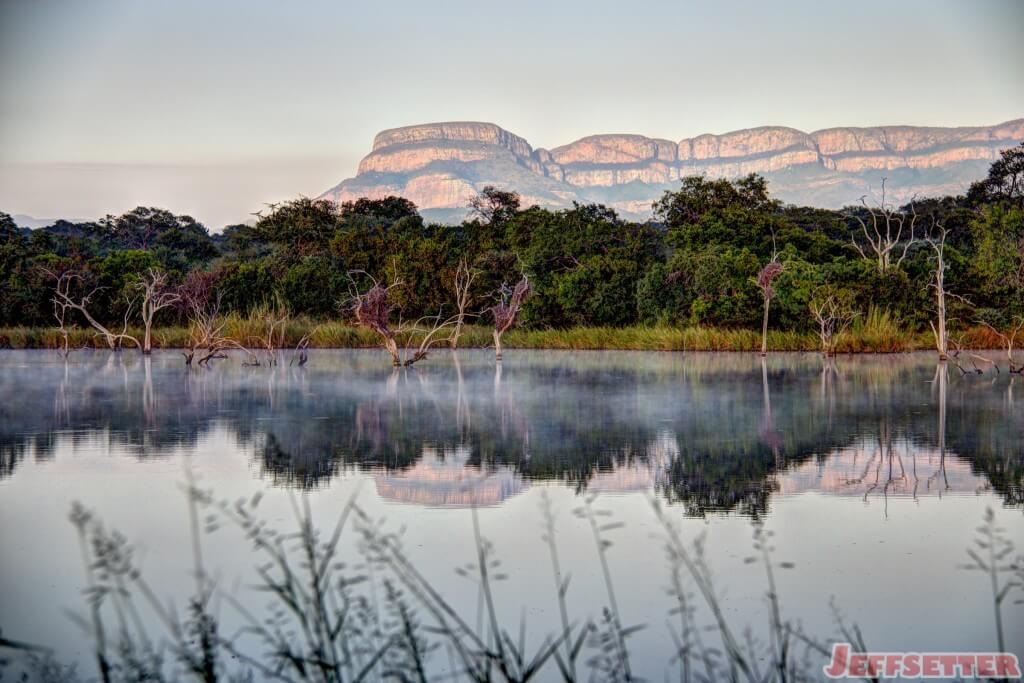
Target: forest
[(718, 255)]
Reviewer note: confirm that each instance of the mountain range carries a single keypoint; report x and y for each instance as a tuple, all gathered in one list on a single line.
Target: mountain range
[(441, 166)]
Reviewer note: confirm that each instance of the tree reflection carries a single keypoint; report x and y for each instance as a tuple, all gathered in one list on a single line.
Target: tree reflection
[(697, 429)]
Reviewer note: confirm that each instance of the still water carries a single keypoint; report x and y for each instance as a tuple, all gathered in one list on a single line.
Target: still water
[(873, 474)]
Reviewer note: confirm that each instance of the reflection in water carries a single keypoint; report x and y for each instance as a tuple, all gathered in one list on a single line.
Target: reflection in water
[(445, 478), (710, 432)]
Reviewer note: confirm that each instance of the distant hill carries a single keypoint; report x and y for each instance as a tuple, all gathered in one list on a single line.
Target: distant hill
[(440, 166), (23, 221)]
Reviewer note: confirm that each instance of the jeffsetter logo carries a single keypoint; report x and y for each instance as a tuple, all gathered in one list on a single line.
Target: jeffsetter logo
[(848, 664)]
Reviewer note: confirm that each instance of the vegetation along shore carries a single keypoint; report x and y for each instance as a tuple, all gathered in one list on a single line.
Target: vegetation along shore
[(876, 333), (722, 267)]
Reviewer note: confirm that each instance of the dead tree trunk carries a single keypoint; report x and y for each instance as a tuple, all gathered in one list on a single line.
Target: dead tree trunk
[(373, 310), (764, 282), (834, 313), (938, 245), (60, 312), (201, 303), (506, 311), (62, 297), (156, 295), (1009, 341), (462, 283)]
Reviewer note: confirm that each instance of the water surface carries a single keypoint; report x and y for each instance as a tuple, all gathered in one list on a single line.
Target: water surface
[(872, 472)]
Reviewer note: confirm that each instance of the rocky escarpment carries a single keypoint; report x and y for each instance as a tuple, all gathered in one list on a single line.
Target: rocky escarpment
[(440, 166)]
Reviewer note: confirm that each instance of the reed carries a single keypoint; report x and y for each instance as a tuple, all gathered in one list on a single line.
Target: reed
[(876, 332), (325, 624)]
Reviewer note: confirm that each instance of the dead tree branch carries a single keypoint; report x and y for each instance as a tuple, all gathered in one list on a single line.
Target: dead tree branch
[(1008, 341), (462, 283), (833, 311), (506, 311), (764, 283), (157, 294), (372, 309), (882, 235), (65, 282)]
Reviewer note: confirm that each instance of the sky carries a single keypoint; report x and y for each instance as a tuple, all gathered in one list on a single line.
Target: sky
[(214, 107)]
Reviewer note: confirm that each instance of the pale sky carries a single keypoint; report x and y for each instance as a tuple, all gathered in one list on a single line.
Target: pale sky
[(212, 108)]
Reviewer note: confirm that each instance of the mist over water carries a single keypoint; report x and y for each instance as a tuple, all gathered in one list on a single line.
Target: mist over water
[(873, 473)]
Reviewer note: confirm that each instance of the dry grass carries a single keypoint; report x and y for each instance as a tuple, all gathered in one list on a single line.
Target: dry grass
[(876, 332)]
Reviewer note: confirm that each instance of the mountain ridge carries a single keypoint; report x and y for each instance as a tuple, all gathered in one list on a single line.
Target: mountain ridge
[(441, 166)]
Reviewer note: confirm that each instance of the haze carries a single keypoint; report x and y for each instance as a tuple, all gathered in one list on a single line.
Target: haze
[(212, 109)]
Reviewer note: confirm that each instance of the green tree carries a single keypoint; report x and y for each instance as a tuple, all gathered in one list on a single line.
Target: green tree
[(300, 227)]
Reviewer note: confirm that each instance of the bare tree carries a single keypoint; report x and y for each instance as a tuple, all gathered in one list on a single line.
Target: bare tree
[(506, 311), (301, 356), (937, 241), (461, 284), (273, 320), (201, 303), (764, 282), (157, 294), (373, 309), (1009, 340), (882, 235), (62, 297), (60, 312), (833, 310)]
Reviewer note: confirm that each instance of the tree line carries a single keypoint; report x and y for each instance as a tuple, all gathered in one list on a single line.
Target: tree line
[(719, 253)]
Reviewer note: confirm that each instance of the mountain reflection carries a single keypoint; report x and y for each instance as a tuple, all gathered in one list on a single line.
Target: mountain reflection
[(709, 432)]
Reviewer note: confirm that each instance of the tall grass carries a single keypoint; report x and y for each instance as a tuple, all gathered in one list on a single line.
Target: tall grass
[(876, 332), (325, 622), (879, 331)]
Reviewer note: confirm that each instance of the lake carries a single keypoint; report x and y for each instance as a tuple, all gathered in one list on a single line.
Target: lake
[(872, 473)]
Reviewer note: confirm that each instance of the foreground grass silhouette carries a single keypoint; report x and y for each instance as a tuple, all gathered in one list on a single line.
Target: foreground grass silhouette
[(327, 621)]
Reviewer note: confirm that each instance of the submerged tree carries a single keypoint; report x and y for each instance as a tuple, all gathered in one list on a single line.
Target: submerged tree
[(506, 311), (65, 299), (201, 300), (462, 282), (937, 242), (157, 294), (373, 309), (1008, 340), (764, 282)]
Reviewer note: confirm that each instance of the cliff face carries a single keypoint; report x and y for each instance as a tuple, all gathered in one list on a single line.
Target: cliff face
[(440, 166)]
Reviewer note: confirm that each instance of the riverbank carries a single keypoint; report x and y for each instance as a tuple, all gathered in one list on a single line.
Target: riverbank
[(873, 336)]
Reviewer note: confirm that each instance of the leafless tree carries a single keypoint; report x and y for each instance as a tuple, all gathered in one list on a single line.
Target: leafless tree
[(1009, 340), (833, 310), (764, 283), (506, 311), (272, 320), (63, 298), (200, 301), (937, 241), (60, 312), (461, 284), (301, 349), (372, 309), (887, 235), (157, 294)]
